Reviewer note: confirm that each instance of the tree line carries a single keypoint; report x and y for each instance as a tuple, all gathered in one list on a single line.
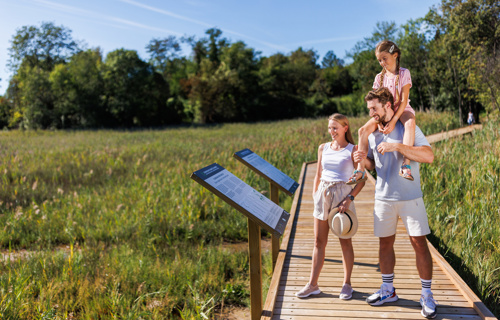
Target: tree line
[(452, 54)]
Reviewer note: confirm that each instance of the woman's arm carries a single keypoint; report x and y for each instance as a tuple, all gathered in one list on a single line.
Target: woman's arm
[(319, 169), (344, 204)]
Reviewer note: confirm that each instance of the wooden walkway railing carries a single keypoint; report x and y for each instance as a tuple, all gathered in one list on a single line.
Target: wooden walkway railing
[(456, 300)]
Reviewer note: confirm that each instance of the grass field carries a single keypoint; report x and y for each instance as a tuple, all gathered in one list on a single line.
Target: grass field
[(461, 192), (108, 224)]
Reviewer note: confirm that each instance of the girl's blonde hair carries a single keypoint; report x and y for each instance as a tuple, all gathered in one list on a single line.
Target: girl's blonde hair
[(340, 118), (391, 48)]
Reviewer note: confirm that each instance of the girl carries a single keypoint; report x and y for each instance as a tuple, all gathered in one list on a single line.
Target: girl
[(398, 81), (334, 166)]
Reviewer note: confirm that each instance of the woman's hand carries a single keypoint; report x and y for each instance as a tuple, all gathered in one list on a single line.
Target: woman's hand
[(344, 205)]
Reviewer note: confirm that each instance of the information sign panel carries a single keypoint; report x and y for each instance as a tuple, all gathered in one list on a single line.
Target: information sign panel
[(242, 197), (267, 170)]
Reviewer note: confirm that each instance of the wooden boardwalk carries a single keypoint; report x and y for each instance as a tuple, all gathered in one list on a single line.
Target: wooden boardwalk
[(456, 300)]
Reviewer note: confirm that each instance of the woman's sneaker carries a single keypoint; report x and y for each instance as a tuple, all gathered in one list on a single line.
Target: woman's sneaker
[(307, 291), (382, 296), (346, 292), (428, 306)]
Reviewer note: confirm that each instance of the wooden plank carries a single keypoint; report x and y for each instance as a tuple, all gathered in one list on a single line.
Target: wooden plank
[(359, 299), (453, 133), (373, 313), (364, 316)]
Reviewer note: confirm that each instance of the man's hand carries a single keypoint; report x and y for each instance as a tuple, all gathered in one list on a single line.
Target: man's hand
[(384, 147)]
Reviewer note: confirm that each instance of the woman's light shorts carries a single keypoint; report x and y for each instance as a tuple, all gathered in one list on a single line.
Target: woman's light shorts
[(412, 213), (328, 196)]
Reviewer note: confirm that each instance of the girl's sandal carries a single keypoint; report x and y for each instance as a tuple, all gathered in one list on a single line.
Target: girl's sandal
[(405, 172), (352, 180)]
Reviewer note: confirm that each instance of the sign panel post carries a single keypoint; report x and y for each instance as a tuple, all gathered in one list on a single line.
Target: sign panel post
[(278, 181), (275, 241), (260, 211), (255, 257)]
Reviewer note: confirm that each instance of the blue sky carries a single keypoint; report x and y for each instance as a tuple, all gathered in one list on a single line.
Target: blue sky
[(268, 26)]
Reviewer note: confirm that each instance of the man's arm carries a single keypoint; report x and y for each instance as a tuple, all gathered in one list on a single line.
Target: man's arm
[(422, 154)]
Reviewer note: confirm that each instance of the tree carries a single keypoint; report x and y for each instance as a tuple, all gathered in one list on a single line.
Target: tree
[(465, 48), (35, 101), (41, 47), (365, 66), (414, 57), (33, 55), (78, 87), (330, 60), (163, 51), (134, 94), (287, 82)]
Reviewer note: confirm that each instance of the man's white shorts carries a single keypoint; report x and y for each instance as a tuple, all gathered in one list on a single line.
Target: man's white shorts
[(412, 213)]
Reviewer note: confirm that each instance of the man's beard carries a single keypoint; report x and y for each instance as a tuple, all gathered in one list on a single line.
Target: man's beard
[(381, 119)]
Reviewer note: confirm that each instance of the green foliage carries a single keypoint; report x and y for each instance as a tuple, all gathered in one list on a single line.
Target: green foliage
[(452, 54), (78, 87), (286, 82), (134, 96), (41, 47), (461, 189)]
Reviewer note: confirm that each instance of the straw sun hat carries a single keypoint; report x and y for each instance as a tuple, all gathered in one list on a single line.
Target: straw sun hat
[(343, 225)]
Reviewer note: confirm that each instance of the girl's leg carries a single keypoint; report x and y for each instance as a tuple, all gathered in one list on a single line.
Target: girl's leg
[(347, 258), (408, 120), (320, 240), (363, 134)]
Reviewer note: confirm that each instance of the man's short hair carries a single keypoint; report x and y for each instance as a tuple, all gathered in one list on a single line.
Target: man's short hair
[(382, 94)]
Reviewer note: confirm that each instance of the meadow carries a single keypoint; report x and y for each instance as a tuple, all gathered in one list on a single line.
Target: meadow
[(108, 224), (462, 197)]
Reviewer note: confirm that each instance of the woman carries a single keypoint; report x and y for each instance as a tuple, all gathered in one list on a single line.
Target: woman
[(335, 165)]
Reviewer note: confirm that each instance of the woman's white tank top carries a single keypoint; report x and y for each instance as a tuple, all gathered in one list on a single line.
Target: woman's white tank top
[(337, 165)]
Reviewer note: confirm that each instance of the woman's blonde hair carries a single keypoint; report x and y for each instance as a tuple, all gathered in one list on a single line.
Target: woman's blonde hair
[(340, 118)]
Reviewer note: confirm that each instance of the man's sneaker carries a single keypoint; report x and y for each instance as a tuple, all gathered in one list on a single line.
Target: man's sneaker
[(346, 292), (382, 296), (307, 291), (428, 306)]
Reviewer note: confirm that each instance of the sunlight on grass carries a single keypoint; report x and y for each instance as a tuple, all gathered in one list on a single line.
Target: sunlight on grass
[(115, 228)]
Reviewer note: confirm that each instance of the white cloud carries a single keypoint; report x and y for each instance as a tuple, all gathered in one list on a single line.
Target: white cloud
[(201, 23), (86, 14)]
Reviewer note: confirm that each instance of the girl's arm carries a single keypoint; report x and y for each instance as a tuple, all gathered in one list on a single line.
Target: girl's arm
[(404, 102), (319, 170)]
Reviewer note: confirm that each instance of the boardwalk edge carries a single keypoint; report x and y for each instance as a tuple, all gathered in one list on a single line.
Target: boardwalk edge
[(267, 311)]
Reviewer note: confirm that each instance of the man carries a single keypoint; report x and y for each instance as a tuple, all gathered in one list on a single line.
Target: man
[(397, 197)]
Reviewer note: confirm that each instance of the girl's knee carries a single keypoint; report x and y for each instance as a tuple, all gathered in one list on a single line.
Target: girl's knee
[(361, 131), (365, 131), (410, 124)]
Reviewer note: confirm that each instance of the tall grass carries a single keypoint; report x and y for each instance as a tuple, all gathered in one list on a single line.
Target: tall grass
[(108, 224), (461, 190)]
